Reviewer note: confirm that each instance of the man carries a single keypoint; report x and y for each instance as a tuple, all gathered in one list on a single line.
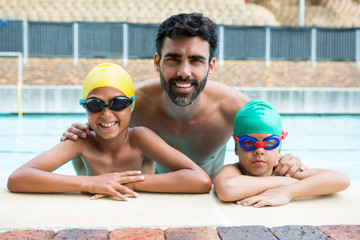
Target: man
[(191, 114)]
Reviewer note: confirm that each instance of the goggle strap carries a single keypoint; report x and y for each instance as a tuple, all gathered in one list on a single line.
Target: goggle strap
[(236, 138), (81, 102), (132, 101), (283, 135)]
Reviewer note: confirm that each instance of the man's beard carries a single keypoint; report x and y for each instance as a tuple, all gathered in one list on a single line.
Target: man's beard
[(182, 100)]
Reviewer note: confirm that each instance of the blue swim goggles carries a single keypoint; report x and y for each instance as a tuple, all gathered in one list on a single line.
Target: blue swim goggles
[(96, 105), (269, 143)]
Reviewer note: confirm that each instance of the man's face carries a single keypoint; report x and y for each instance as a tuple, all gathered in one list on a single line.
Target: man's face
[(184, 68)]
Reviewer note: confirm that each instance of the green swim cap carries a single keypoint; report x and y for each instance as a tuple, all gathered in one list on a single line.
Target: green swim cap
[(257, 116)]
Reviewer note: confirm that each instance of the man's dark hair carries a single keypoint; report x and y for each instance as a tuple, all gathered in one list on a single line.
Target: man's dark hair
[(190, 25)]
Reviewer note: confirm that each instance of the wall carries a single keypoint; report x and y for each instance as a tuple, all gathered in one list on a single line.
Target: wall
[(64, 99), (309, 100), (54, 84), (62, 71)]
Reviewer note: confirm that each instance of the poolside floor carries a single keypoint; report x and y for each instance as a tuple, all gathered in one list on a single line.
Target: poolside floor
[(195, 233), (176, 216)]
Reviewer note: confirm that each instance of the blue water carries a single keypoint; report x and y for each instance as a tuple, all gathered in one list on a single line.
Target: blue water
[(23, 139), (320, 141)]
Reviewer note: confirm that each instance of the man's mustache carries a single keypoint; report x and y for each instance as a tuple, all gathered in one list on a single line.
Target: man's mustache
[(180, 79)]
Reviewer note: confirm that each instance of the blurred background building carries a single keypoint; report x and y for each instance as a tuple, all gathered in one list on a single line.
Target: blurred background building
[(262, 43), (321, 13)]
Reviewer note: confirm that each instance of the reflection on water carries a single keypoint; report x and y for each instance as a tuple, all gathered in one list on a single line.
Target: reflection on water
[(320, 141), (23, 139)]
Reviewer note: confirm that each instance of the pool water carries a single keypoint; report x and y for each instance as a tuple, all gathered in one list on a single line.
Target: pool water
[(23, 139), (320, 141)]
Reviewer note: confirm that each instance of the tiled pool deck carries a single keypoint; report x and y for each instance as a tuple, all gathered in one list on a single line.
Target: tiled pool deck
[(176, 216), (195, 233)]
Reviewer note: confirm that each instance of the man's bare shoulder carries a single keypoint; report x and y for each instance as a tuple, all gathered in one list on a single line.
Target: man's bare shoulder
[(148, 95), (147, 85), (224, 91), (230, 98), (147, 92)]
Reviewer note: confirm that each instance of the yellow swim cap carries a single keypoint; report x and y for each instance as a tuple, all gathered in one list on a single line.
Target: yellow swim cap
[(109, 75)]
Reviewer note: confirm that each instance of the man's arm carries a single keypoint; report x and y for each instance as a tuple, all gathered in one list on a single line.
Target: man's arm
[(75, 131), (288, 166), (231, 185)]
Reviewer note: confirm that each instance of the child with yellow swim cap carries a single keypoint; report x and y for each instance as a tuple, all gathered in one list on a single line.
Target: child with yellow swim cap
[(250, 182), (112, 156)]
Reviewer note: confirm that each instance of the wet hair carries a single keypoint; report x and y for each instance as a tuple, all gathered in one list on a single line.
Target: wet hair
[(190, 25)]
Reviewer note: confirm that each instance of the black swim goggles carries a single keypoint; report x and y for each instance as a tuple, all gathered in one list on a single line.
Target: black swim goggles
[(117, 103)]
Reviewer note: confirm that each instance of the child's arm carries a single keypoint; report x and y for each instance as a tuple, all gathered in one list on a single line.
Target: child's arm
[(185, 175), (36, 175), (311, 182), (231, 185)]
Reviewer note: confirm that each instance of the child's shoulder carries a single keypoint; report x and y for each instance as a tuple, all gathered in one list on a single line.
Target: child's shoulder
[(232, 168), (139, 130), (143, 135), (79, 147), (136, 133), (85, 143), (226, 172)]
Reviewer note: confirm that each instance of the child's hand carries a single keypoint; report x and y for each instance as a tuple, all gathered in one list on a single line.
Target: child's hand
[(113, 184), (271, 197)]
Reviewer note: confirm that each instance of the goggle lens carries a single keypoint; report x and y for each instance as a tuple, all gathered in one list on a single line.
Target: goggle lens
[(248, 143), (93, 105), (120, 103), (96, 105), (272, 143)]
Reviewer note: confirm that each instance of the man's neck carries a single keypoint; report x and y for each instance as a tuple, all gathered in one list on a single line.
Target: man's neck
[(183, 112)]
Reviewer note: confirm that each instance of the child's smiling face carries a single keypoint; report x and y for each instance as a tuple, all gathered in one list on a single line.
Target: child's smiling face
[(257, 162), (108, 123)]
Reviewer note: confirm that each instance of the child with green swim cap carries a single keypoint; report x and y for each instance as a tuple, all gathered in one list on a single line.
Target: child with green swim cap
[(250, 182), (113, 154)]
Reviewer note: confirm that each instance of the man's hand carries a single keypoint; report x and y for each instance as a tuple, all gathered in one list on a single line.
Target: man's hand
[(113, 184), (288, 166), (76, 130)]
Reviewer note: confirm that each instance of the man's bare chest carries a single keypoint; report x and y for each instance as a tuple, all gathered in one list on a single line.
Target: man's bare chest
[(198, 138)]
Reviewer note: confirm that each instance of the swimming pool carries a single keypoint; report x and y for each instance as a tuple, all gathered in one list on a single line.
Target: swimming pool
[(324, 141)]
